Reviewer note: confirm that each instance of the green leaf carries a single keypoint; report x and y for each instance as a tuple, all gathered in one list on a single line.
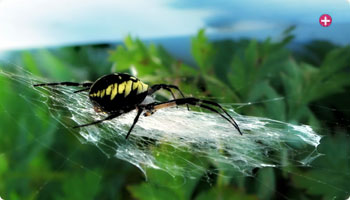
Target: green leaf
[(238, 76), (289, 30), (30, 63), (335, 60), (329, 174), (3, 164), (80, 186), (149, 191), (266, 185), (226, 193), (147, 60), (250, 59), (263, 91), (178, 184), (201, 50)]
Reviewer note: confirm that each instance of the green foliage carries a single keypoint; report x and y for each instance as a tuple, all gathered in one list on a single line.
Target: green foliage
[(162, 185), (202, 51), (71, 188), (36, 153), (39, 159), (329, 176), (225, 193), (266, 184)]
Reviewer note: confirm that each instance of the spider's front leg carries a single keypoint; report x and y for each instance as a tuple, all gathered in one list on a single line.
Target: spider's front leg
[(167, 87)]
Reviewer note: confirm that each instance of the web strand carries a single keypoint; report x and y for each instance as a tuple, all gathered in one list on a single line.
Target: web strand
[(158, 140)]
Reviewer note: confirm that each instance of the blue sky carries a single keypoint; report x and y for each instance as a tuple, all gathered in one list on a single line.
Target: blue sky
[(43, 23)]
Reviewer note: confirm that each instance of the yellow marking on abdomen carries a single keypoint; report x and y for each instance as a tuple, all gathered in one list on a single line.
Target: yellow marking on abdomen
[(114, 90), (128, 88), (121, 87), (109, 89), (144, 87), (103, 93), (98, 93), (139, 88), (136, 84)]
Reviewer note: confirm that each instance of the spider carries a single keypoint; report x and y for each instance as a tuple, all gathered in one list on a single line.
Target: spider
[(119, 93)]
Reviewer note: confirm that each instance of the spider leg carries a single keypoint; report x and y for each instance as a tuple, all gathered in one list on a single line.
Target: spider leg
[(194, 102), (157, 87), (172, 93), (98, 121), (139, 111), (112, 116), (82, 90), (222, 109), (87, 84), (230, 121)]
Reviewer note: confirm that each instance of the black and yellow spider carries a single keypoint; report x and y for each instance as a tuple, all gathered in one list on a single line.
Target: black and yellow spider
[(116, 94)]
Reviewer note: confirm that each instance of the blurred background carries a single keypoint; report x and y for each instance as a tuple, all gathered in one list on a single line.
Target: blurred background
[(269, 58)]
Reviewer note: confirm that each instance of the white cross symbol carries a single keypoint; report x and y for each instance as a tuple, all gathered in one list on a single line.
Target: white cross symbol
[(325, 20)]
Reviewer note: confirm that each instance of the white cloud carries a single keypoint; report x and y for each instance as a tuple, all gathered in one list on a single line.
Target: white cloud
[(36, 23), (41, 22)]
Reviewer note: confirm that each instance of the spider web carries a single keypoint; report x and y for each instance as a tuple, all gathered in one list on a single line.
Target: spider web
[(178, 141)]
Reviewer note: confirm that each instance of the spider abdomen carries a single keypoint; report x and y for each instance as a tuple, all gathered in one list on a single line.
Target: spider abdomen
[(117, 93)]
